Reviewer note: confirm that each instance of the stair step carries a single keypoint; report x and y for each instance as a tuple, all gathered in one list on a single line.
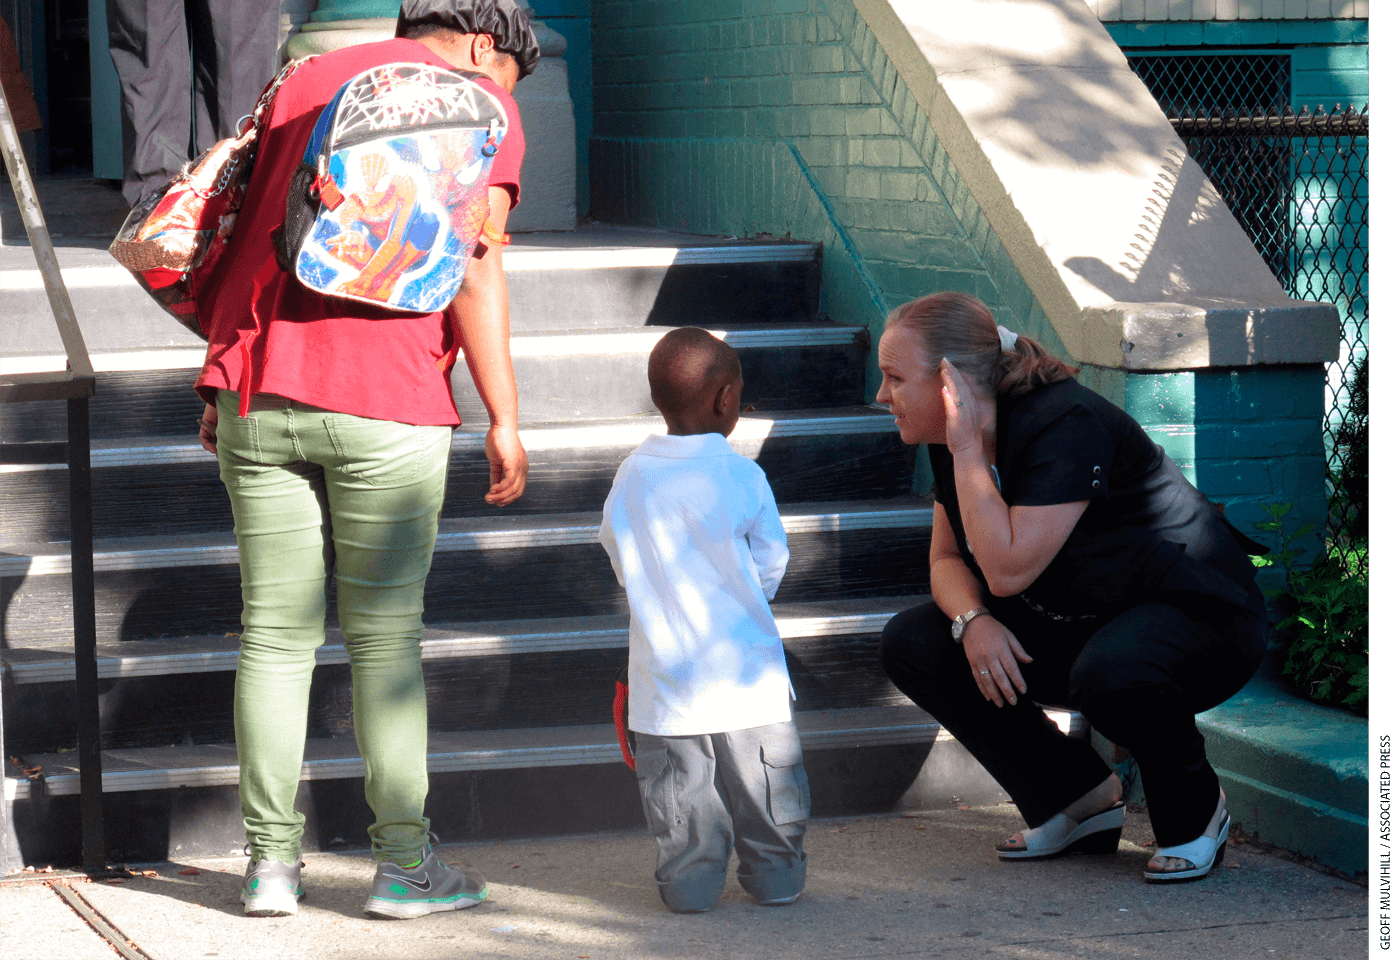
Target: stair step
[(583, 375), (562, 379), (468, 534), (561, 375), (211, 654), (334, 758), (181, 361), (485, 569), (486, 692), (541, 436), (80, 210), (596, 277), (173, 485)]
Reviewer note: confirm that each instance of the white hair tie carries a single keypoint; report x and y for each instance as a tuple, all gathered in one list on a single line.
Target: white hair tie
[(1008, 338)]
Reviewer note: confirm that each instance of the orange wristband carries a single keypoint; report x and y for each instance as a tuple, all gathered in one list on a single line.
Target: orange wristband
[(495, 236)]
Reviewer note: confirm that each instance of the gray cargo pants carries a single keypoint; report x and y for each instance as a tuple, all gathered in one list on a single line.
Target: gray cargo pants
[(707, 795)]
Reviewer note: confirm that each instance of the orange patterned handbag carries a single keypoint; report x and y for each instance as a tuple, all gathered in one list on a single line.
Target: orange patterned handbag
[(172, 240)]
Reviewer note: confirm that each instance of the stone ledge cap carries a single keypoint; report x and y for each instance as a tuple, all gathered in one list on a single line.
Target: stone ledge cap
[(1199, 332)]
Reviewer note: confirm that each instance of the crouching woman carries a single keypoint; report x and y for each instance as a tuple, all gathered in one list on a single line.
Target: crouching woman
[(1073, 565)]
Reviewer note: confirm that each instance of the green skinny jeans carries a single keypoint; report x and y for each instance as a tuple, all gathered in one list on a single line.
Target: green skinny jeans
[(314, 491)]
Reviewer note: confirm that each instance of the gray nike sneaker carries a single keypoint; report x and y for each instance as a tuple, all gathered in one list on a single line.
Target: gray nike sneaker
[(272, 888), (403, 893)]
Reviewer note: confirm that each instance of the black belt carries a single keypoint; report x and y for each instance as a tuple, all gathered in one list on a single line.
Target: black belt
[(1060, 617)]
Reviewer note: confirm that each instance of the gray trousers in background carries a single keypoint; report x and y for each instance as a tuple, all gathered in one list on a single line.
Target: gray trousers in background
[(183, 62), (743, 791)]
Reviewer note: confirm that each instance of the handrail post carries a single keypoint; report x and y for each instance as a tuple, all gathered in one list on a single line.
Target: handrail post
[(76, 386), (85, 637)]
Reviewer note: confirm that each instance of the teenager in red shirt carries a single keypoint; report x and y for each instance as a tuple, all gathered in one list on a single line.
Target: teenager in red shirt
[(332, 422)]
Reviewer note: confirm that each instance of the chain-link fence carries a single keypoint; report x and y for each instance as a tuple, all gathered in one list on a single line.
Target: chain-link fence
[(1297, 182)]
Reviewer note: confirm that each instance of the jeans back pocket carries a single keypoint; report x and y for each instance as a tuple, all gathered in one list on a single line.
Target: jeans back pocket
[(382, 453)]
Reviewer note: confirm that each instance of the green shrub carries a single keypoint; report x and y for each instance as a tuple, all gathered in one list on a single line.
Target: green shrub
[(1325, 622), (1349, 481)]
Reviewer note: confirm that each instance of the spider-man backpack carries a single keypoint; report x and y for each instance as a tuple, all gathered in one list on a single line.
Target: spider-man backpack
[(390, 197)]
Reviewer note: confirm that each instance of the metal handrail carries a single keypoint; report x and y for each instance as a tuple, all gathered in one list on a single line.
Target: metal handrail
[(79, 379), (75, 385)]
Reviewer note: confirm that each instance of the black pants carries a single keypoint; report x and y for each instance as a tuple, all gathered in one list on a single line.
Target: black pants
[(175, 106), (1139, 678)]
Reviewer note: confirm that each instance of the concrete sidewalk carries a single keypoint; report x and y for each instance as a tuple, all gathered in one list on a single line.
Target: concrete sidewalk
[(889, 886)]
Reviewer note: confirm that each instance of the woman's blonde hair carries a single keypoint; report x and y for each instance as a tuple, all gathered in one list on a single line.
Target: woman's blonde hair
[(960, 327)]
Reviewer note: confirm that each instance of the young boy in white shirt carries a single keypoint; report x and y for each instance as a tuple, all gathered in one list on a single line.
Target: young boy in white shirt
[(695, 538)]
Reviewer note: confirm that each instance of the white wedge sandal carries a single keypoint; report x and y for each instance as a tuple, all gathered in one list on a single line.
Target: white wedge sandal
[(1060, 835), (1203, 854)]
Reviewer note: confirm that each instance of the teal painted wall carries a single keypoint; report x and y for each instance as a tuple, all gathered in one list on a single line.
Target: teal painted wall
[(106, 98), (1246, 437), (785, 118)]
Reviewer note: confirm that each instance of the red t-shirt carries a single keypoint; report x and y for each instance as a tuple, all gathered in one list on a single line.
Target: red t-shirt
[(338, 354)]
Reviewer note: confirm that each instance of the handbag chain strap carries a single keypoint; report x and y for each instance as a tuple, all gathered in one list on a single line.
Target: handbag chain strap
[(230, 169)]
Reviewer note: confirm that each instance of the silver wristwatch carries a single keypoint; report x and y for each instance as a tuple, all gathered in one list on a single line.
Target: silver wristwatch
[(961, 622)]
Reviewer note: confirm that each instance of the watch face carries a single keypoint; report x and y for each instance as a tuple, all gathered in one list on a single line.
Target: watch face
[(958, 625)]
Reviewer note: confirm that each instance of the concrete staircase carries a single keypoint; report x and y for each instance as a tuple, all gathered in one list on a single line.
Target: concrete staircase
[(527, 625)]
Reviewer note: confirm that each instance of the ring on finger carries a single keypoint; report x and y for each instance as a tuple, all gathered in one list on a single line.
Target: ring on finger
[(986, 672)]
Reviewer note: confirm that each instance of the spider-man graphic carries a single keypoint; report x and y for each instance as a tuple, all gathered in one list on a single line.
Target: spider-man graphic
[(385, 232), (457, 186)]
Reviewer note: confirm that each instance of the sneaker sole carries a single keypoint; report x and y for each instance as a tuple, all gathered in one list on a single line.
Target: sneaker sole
[(283, 905), (408, 909)]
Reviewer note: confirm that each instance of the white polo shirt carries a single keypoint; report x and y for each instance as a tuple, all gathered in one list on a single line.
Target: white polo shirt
[(694, 536)]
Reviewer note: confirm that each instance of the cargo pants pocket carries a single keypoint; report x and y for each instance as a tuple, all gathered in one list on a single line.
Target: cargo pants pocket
[(789, 794), (656, 778)]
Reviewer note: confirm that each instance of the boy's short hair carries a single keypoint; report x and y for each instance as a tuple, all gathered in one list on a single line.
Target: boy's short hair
[(686, 366)]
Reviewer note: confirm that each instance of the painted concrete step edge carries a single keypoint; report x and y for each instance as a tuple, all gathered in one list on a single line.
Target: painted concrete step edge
[(162, 768), (440, 641), (465, 534), (1295, 773)]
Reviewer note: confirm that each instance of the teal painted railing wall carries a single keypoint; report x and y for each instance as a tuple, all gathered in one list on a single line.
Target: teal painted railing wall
[(1247, 437)]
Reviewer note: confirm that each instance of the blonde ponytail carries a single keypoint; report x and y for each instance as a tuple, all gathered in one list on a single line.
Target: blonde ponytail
[(960, 327)]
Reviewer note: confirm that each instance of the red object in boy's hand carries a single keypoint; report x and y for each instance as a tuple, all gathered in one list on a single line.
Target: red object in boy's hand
[(624, 736)]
